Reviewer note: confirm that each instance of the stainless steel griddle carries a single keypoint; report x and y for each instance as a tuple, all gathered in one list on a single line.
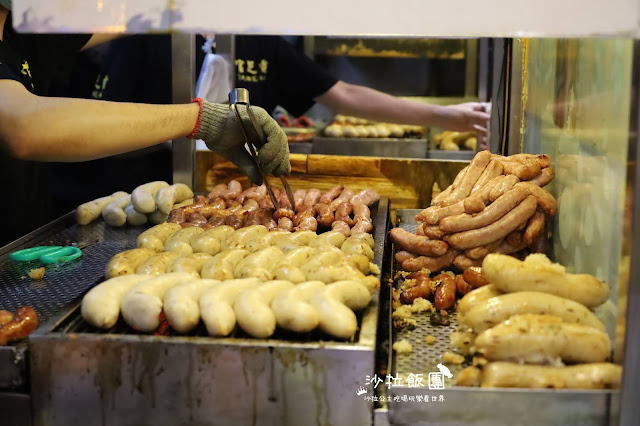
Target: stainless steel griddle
[(83, 376)]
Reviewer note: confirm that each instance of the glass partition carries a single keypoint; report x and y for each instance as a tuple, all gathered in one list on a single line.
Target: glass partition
[(576, 99)]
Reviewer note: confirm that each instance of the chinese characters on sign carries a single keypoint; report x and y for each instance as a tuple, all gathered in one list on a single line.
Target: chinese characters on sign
[(435, 381), (252, 71)]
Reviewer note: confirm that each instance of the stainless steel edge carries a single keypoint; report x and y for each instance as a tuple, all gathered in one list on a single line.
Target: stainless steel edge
[(370, 147), (471, 68), (183, 90), (515, 119), (628, 406)]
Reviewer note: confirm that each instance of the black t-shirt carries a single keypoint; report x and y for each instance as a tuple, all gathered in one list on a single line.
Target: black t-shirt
[(276, 74), (38, 62)]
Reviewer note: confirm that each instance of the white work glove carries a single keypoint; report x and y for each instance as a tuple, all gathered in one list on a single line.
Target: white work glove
[(219, 129)]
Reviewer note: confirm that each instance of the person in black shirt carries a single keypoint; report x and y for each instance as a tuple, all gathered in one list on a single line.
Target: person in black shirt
[(275, 73), (36, 127)]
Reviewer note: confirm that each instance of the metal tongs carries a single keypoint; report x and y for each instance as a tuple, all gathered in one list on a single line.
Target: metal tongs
[(240, 97)]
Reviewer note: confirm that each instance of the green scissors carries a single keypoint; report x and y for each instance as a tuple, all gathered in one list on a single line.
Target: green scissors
[(47, 254)]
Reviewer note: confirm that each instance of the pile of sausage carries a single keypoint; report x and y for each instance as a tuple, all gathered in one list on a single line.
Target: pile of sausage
[(443, 287), (18, 325), (150, 202), (298, 281), (531, 320), (338, 209), (495, 205)]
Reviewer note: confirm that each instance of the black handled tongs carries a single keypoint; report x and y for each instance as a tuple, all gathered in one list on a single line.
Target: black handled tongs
[(240, 98)]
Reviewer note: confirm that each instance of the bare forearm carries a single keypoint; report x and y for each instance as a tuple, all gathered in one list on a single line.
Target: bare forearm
[(371, 104), (61, 129)]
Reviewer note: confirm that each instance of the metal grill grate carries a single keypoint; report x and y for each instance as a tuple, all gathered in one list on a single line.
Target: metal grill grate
[(423, 358), (64, 284)]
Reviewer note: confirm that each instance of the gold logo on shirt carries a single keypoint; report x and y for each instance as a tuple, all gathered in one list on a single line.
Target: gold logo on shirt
[(248, 70), (26, 71)]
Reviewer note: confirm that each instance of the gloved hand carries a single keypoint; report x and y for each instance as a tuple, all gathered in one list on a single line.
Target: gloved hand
[(219, 129)]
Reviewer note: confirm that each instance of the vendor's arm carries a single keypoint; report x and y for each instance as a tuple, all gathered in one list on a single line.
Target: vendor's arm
[(62, 129), (363, 102)]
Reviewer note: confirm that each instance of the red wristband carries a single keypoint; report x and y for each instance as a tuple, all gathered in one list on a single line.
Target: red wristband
[(196, 129)]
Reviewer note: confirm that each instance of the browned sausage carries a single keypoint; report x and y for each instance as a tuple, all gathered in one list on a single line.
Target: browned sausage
[(5, 317), (477, 166), (366, 196), (544, 178), (420, 289), (474, 276), (493, 212), (331, 195), (285, 224), (343, 213), (542, 159), (462, 286), (342, 227), (417, 244), (248, 207), (249, 193), (362, 226), (432, 215), (482, 251), (309, 223), (234, 189), (269, 223), (499, 229), (361, 212), (195, 218), (215, 220), (310, 200), (462, 262), (513, 239), (420, 229), (472, 202), (524, 169), (540, 244), (324, 214), (233, 206), (435, 201), (344, 197), (503, 186), (473, 205), (545, 200), (431, 231), (494, 168), (283, 212), (301, 216), (298, 197), (234, 221), (403, 255), (24, 321), (218, 191), (433, 264), (515, 245), (445, 294), (176, 216), (362, 217), (283, 200), (200, 199)]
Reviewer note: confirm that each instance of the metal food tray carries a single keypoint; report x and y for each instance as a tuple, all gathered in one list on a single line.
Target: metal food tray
[(61, 286), (477, 406), (371, 147), (81, 376)]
